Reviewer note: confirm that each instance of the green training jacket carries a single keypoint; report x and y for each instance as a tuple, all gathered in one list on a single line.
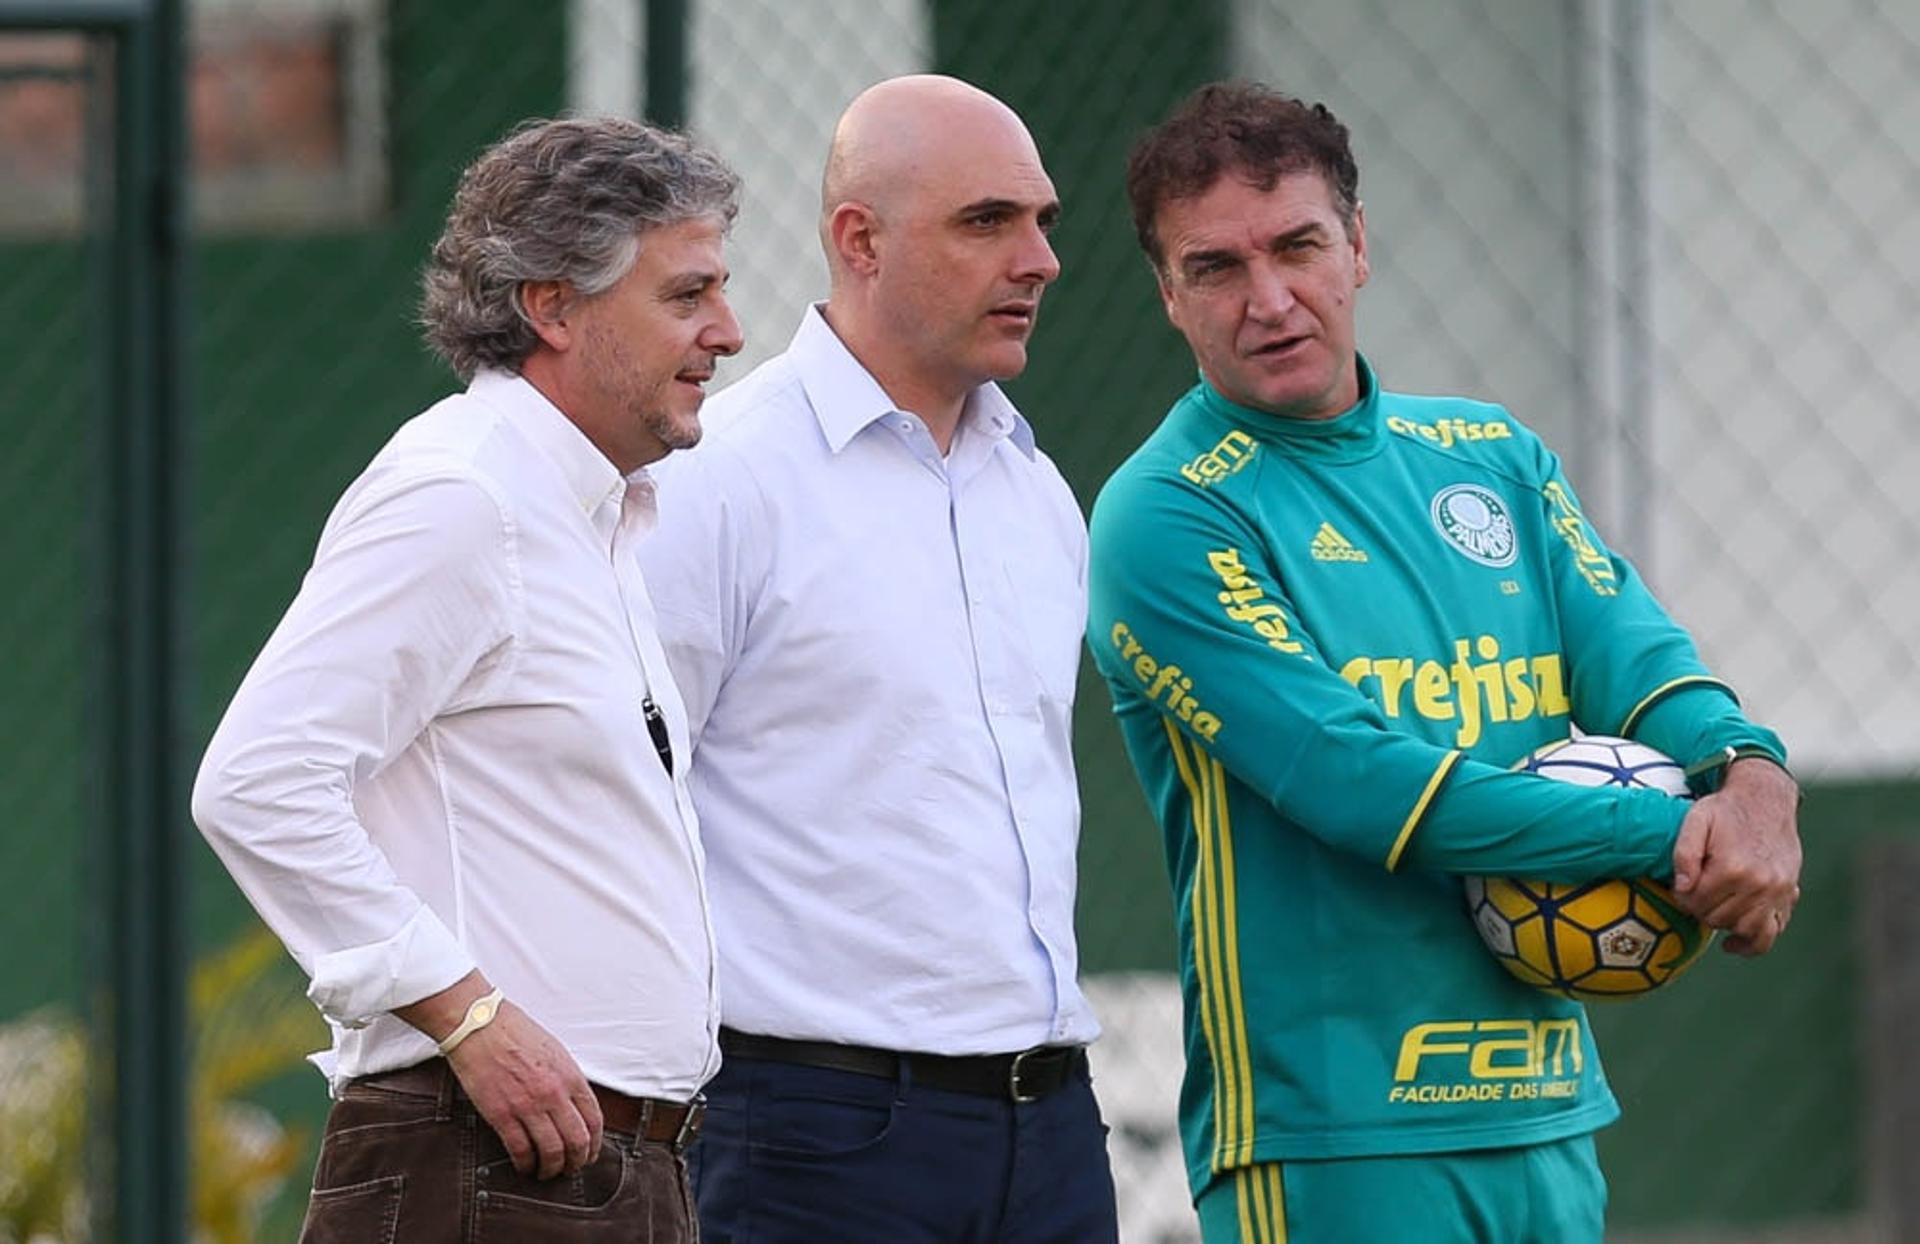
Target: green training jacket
[(1326, 642)]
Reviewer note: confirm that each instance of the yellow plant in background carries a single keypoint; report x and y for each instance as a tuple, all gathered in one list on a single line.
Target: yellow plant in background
[(43, 1129), (250, 1025)]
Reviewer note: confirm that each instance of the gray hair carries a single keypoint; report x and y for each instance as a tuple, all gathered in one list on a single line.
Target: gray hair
[(562, 200)]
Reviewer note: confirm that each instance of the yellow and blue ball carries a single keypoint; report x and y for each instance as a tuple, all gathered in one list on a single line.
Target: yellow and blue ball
[(1594, 940)]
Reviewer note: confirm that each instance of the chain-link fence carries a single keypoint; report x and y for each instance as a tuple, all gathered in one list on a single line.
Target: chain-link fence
[(1671, 237), (46, 393)]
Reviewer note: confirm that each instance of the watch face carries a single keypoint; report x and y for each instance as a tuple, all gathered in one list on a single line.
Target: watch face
[(483, 1010)]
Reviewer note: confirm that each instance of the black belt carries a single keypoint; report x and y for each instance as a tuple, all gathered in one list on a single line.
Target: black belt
[(1025, 1076), (671, 1123)]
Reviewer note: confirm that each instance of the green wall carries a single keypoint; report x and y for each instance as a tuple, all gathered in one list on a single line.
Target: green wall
[(47, 473)]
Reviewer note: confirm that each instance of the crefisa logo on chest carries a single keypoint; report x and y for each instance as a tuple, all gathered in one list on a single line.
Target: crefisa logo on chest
[(1475, 521)]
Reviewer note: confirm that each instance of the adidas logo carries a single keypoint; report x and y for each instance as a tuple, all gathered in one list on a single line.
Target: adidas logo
[(1330, 546)]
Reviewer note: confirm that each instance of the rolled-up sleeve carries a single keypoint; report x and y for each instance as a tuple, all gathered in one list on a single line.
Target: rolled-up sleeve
[(409, 611)]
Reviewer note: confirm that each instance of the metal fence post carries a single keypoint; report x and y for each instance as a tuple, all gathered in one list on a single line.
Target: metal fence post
[(666, 53), (138, 711), (1613, 373)]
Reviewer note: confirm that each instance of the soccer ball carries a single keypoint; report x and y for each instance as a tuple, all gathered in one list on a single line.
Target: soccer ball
[(1598, 940)]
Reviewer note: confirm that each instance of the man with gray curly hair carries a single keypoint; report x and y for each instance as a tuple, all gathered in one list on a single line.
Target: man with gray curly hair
[(449, 782)]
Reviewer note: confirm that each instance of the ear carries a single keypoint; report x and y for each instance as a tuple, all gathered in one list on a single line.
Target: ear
[(1361, 268), (546, 304), (853, 230)]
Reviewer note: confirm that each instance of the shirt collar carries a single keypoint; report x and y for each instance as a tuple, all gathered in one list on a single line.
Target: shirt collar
[(991, 413), (1354, 434), (846, 398), (591, 478)]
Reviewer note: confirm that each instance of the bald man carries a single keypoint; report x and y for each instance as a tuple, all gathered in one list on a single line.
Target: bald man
[(871, 587)]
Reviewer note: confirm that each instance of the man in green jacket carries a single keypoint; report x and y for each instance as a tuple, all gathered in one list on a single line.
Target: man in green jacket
[(1331, 617)]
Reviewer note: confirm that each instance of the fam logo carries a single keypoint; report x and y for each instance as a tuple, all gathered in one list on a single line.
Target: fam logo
[(1234, 451), (1475, 521)]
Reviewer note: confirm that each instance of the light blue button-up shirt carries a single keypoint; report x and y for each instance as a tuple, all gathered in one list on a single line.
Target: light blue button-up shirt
[(877, 646)]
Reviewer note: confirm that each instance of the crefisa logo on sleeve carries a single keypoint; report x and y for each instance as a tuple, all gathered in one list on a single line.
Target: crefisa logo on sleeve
[(1475, 521)]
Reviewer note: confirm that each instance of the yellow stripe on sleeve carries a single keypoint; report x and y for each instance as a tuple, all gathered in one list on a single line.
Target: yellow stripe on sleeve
[(1236, 1001), (1420, 809), (1227, 1138), (1662, 691), (1205, 956), (1216, 951)]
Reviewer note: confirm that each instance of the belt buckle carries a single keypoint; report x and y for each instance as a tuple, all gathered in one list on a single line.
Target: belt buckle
[(690, 1122), (1020, 1096)]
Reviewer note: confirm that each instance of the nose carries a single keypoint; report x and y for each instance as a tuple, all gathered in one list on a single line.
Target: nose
[(1036, 264), (1270, 296), (723, 335)]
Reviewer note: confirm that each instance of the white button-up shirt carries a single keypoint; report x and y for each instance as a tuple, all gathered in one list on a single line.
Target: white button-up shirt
[(439, 761), (878, 646)]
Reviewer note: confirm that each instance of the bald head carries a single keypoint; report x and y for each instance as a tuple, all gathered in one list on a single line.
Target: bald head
[(899, 136), (935, 217)]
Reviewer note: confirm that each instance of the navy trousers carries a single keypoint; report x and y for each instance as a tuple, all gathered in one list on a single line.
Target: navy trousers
[(806, 1155)]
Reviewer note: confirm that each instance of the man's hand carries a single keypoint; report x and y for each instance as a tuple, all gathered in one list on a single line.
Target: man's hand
[(1736, 865), (529, 1090), (521, 1080)]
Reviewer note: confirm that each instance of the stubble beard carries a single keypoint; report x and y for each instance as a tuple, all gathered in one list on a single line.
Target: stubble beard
[(658, 419), (647, 406)]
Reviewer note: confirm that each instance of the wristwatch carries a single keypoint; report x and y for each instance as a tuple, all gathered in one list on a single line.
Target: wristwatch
[(480, 1013), (1705, 776)]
